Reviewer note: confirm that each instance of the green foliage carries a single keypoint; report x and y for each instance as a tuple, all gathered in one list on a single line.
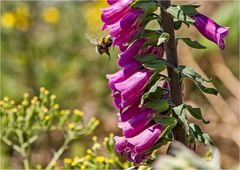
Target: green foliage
[(22, 123), (192, 130), (188, 72), (193, 44)]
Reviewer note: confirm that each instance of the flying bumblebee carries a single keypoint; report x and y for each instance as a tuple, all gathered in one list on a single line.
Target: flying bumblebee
[(102, 45)]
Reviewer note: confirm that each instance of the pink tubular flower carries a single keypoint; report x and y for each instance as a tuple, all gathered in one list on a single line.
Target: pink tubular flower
[(135, 147), (132, 88), (116, 11), (210, 29), (137, 123)]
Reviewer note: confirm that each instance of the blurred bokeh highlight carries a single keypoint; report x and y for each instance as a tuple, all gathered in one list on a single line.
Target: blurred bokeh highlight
[(43, 44)]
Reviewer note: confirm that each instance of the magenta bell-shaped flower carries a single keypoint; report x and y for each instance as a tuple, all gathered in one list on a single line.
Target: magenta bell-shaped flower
[(135, 146), (116, 11), (210, 29), (130, 90), (137, 123)]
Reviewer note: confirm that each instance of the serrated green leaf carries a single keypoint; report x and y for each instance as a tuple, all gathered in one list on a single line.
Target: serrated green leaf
[(199, 135), (164, 37), (193, 44), (159, 106), (178, 13), (196, 113)]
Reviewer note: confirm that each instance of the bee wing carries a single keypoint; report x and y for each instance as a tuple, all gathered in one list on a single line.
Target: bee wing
[(91, 38)]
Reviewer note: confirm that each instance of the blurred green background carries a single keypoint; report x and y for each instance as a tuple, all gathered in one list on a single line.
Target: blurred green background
[(43, 44)]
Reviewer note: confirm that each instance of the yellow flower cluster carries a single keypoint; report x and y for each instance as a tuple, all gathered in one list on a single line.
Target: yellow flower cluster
[(51, 15), (19, 18)]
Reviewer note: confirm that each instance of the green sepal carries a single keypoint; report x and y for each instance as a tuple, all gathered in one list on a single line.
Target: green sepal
[(168, 122), (193, 44)]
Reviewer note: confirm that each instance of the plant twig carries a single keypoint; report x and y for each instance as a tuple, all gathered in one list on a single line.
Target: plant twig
[(171, 55)]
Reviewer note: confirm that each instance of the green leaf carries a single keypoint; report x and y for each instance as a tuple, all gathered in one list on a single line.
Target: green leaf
[(159, 106), (151, 36), (152, 62), (155, 65), (180, 111), (178, 13), (164, 37), (190, 9), (208, 90), (166, 121), (177, 24), (199, 135), (193, 44), (147, 6), (196, 113), (190, 73)]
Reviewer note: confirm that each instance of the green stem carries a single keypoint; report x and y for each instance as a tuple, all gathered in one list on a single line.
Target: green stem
[(58, 153), (23, 152)]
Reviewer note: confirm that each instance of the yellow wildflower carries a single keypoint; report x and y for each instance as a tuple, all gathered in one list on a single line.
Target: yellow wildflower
[(78, 112), (8, 20), (21, 16), (53, 97), (51, 15), (67, 160), (100, 159), (94, 138), (56, 106), (71, 126), (47, 117)]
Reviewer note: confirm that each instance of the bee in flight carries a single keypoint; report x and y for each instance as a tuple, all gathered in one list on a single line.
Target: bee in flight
[(102, 45)]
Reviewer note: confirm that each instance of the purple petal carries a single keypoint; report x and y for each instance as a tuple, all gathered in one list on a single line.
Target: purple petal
[(210, 29), (146, 139), (137, 123)]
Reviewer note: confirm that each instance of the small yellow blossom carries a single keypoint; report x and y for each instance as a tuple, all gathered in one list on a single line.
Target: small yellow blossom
[(78, 112), (51, 15), (25, 95), (109, 161), (89, 151), (67, 160), (45, 110), (1, 102), (87, 157), (22, 10), (74, 163), (53, 97), (85, 163), (12, 102), (6, 99), (46, 92), (42, 89), (8, 20), (97, 122), (83, 167), (100, 159), (14, 110), (56, 106), (94, 138), (47, 117), (71, 126), (93, 119)]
